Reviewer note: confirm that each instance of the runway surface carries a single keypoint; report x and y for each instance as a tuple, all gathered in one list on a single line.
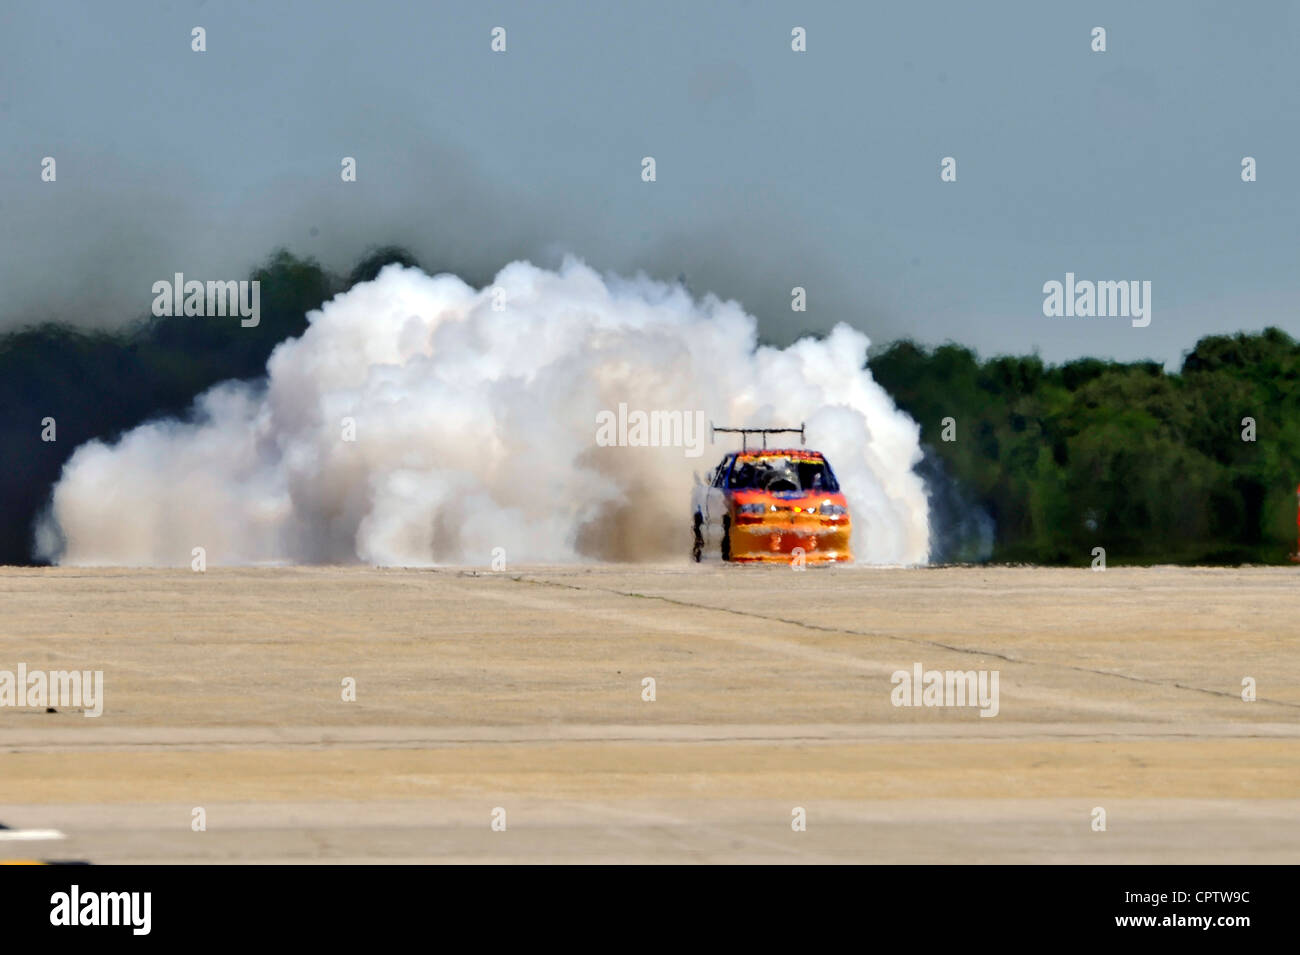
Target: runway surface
[(522, 691)]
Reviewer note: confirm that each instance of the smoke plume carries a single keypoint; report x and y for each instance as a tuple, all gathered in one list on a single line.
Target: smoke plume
[(421, 421)]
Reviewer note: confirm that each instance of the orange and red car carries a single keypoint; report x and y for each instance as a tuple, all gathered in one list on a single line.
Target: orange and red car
[(772, 505)]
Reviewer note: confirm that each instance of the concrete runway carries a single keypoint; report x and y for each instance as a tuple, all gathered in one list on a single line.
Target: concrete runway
[(522, 690)]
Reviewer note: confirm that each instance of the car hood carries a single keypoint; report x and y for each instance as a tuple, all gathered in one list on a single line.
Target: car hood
[(784, 500)]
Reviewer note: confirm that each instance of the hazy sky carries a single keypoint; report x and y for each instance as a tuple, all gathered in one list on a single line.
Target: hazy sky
[(775, 168)]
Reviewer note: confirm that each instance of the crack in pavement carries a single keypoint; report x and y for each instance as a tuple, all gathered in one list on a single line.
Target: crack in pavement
[(918, 641)]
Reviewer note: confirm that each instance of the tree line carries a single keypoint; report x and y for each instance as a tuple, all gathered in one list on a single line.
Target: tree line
[(1198, 466), (1026, 462)]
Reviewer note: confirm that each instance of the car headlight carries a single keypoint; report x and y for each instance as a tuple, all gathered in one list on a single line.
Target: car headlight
[(751, 509), (834, 510)]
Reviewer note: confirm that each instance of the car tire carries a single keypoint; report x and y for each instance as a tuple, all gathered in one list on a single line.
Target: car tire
[(726, 538), (697, 549)]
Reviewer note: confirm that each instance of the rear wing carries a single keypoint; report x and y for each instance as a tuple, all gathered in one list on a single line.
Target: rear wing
[(746, 432)]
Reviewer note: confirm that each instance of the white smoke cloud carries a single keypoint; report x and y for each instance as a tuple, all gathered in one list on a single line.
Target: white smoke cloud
[(476, 429)]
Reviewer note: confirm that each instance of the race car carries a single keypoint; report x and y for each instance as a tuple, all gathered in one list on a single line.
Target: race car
[(771, 505)]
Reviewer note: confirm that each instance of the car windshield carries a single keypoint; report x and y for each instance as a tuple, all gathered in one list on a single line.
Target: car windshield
[(782, 476)]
